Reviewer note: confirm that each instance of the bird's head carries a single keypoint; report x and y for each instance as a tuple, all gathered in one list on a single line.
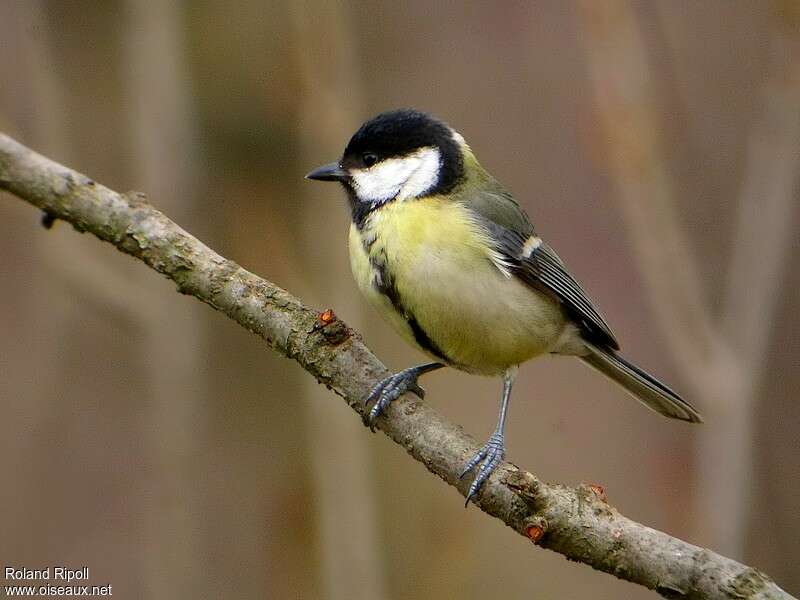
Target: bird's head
[(398, 155)]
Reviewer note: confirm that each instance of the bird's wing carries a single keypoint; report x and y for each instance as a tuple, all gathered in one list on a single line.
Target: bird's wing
[(536, 263)]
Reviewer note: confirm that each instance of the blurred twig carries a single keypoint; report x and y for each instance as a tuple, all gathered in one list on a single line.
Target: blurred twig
[(576, 522), (722, 362), (625, 107), (161, 129), (326, 66), (761, 241), (766, 203)]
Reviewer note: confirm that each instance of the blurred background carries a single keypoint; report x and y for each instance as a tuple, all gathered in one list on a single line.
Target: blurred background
[(654, 144)]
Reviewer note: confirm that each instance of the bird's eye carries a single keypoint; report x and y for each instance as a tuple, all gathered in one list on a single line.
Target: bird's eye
[(369, 159)]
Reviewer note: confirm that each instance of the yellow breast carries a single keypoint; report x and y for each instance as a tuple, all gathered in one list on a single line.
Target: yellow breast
[(440, 266)]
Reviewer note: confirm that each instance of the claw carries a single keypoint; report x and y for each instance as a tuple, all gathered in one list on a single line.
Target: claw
[(473, 462), (488, 457), (391, 388), (374, 393)]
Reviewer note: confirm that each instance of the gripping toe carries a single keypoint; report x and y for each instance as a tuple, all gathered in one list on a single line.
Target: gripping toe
[(391, 388)]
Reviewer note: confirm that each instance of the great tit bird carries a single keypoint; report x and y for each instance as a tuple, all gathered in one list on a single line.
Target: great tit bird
[(447, 255)]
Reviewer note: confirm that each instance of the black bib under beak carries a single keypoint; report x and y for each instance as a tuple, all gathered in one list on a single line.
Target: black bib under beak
[(330, 172)]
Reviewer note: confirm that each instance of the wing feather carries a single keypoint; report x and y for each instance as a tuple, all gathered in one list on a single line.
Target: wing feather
[(543, 268), (537, 264)]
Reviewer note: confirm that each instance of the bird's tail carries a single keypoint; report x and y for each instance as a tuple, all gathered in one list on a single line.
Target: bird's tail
[(644, 387)]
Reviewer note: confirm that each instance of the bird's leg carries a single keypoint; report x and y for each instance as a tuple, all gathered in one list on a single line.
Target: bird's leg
[(394, 386), (493, 452)]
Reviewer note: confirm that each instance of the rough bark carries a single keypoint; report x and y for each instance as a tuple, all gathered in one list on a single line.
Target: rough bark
[(576, 522)]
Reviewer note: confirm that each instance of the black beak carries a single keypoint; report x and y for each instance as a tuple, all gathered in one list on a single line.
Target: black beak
[(331, 172)]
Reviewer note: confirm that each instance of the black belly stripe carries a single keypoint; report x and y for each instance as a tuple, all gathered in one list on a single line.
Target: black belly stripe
[(384, 283), (424, 341)]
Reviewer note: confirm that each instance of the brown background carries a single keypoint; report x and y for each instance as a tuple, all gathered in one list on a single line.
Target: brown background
[(150, 439)]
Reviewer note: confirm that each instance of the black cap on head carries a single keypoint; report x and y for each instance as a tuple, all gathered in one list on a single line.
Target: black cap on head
[(398, 133)]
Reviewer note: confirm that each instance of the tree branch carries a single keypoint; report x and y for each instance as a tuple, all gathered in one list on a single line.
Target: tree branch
[(576, 522)]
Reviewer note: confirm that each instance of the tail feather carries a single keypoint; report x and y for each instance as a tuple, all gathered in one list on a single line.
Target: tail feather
[(642, 386)]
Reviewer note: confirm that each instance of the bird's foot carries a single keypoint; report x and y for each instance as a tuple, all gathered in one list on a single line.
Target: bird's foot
[(488, 457), (389, 390)]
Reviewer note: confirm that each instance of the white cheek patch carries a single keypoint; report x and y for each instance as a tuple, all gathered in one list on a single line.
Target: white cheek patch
[(400, 178)]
